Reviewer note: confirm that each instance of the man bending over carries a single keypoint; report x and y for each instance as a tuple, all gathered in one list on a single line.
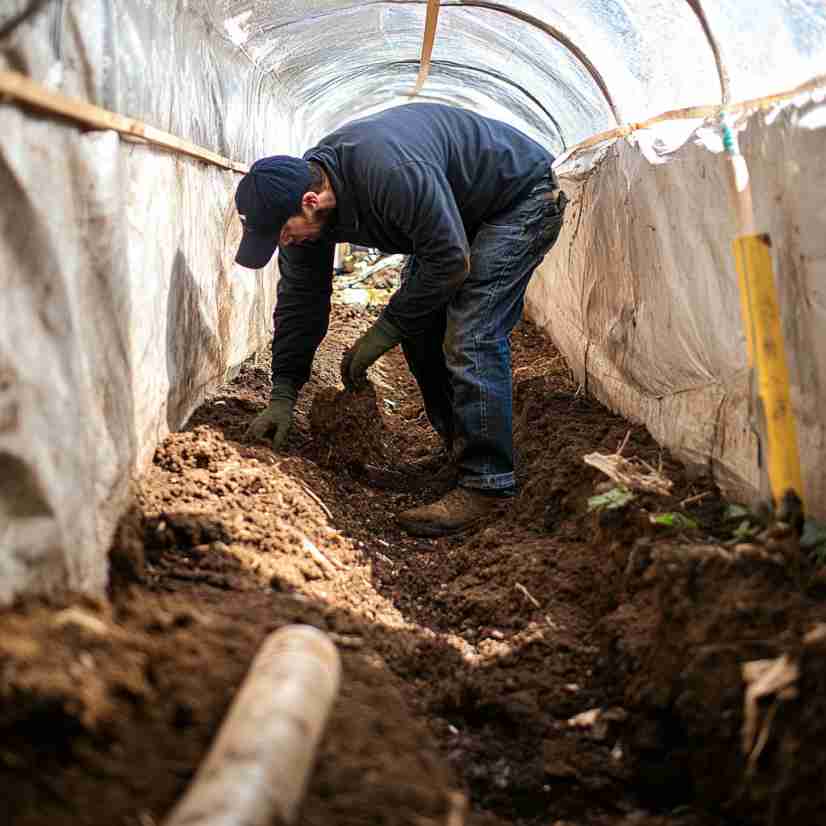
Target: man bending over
[(475, 205)]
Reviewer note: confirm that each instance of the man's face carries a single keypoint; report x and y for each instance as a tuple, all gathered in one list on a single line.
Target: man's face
[(309, 224), (302, 227)]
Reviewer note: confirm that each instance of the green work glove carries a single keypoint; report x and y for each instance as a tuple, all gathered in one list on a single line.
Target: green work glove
[(380, 338), (277, 418)]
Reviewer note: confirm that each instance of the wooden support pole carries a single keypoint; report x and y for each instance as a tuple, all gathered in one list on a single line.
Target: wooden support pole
[(24, 89), (15, 86), (427, 45), (695, 113), (257, 769)]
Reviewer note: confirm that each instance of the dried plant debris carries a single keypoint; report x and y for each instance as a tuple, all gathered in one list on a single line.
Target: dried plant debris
[(765, 678), (634, 474)]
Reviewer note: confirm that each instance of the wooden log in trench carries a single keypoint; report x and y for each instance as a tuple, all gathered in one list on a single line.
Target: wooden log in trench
[(257, 769)]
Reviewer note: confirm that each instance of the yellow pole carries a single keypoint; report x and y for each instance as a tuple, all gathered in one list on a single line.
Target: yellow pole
[(752, 254), (764, 338)]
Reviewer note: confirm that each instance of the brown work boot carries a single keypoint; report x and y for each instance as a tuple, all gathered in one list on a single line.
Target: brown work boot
[(457, 510)]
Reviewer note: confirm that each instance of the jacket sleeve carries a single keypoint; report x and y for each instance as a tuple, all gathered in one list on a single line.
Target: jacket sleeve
[(302, 309), (418, 200)]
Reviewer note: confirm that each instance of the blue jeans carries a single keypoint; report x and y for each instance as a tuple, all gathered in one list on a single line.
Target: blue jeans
[(462, 363)]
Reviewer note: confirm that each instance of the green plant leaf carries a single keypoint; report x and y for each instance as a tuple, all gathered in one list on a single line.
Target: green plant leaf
[(736, 512), (813, 536), (745, 530), (617, 497), (674, 520)]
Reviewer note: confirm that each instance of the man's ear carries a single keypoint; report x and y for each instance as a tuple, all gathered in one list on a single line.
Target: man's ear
[(310, 201)]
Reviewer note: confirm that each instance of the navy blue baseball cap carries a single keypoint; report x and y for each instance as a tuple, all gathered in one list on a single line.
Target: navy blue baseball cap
[(267, 196)]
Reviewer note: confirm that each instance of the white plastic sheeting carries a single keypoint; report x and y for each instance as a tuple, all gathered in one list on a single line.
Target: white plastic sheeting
[(238, 76), (119, 303), (121, 307), (641, 293), (336, 59), (769, 45)]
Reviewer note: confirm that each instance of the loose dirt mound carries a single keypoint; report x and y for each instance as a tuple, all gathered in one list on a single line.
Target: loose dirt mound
[(347, 428), (709, 611), (557, 666)]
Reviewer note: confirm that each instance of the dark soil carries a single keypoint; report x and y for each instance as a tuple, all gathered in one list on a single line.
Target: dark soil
[(468, 661)]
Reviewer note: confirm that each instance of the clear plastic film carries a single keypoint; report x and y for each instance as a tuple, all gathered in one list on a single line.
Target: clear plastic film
[(246, 78), (769, 46)]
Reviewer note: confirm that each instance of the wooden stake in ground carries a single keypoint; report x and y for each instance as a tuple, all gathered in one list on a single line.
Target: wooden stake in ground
[(257, 770)]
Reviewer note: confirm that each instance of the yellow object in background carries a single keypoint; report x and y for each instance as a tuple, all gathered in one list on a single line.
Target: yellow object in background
[(767, 354)]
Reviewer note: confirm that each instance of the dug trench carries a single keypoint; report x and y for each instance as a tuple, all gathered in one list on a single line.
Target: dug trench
[(555, 665)]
